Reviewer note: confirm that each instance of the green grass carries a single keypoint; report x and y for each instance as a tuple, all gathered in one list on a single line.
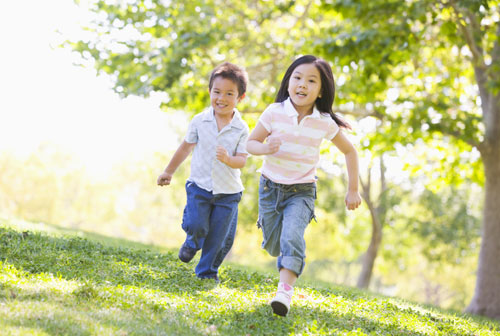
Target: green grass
[(55, 282)]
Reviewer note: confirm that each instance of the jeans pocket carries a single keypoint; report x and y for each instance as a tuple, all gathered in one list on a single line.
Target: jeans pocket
[(261, 224), (184, 225), (310, 206)]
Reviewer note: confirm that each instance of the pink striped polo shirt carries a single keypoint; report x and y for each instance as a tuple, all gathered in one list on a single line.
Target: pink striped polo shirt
[(298, 156)]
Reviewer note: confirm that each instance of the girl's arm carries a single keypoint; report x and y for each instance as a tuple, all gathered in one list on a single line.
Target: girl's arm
[(180, 155), (352, 199), (256, 145)]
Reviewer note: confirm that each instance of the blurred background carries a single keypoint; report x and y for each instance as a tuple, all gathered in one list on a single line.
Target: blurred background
[(90, 117)]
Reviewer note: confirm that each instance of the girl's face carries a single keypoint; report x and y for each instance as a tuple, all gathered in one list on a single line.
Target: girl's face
[(304, 87), (224, 96)]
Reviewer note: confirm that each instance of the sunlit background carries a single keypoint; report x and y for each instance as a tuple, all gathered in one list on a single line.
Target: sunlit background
[(46, 98)]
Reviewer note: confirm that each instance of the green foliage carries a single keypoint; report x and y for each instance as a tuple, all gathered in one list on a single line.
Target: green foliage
[(413, 66), (416, 48), (432, 242), (173, 46), (249, 205), (449, 227), (68, 285)]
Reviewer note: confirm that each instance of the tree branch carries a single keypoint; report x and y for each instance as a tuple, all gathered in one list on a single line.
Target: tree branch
[(460, 136), (468, 33), (366, 186), (480, 68), (495, 54)]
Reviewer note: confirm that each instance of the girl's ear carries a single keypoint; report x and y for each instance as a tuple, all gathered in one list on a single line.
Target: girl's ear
[(242, 96)]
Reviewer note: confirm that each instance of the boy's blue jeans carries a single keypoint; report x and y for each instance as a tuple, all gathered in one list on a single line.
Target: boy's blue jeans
[(284, 213), (210, 224)]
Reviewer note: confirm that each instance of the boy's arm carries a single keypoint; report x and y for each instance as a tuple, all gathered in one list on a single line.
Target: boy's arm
[(352, 199), (180, 155), (237, 161), (240, 158), (255, 144)]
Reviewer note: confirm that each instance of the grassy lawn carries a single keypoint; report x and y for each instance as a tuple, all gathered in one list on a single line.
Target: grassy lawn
[(56, 282)]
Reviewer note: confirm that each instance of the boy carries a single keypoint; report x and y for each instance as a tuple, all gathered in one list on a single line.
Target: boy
[(217, 137)]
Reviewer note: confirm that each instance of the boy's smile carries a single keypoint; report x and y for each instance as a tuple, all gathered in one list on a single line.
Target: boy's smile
[(224, 96)]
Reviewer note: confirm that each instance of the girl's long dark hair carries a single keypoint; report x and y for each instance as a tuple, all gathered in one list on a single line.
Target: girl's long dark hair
[(325, 102)]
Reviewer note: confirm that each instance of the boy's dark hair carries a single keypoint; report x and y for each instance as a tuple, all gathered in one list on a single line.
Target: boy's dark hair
[(232, 72), (323, 103)]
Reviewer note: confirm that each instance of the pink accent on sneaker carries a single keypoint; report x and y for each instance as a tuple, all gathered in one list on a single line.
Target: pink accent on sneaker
[(281, 302)]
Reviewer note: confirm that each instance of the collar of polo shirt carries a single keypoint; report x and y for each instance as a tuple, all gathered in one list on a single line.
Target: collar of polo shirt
[(236, 122), (292, 112)]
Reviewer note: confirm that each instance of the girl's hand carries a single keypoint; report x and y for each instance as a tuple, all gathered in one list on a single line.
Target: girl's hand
[(164, 179), (221, 154), (352, 200), (274, 145)]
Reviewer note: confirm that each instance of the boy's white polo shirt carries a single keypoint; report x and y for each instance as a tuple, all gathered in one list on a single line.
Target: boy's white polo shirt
[(206, 171)]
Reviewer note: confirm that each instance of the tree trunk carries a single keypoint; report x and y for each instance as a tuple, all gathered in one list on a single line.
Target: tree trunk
[(486, 300), (372, 251), (376, 213)]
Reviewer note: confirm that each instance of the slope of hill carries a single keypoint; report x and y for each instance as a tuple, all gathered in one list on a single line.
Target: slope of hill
[(58, 283)]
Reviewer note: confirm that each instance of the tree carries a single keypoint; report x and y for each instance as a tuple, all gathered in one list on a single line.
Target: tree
[(438, 65)]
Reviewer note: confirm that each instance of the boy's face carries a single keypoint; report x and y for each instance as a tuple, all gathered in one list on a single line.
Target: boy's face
[(224, 96)]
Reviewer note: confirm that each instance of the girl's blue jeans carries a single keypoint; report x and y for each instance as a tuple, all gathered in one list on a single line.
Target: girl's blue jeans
[(210, 224), (284, 213)]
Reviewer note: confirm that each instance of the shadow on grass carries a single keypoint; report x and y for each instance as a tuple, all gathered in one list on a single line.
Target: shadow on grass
[(60, 325), (75, 258), (87, 319)]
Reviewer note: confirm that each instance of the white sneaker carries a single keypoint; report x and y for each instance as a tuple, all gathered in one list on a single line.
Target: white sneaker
[(281, 302)]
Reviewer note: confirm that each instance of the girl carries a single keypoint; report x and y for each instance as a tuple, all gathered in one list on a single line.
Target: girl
[(294, 127)]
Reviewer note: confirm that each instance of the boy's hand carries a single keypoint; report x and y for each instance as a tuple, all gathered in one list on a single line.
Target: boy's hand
[(352, 200), (274, 145), (164, 179), (221, 154)]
